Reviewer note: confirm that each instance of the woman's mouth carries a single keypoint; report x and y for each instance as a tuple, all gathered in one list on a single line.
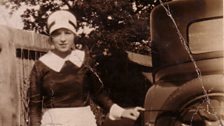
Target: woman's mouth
[(63, 45)]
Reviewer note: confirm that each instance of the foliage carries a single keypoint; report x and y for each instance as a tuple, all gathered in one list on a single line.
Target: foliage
[(121, 24)]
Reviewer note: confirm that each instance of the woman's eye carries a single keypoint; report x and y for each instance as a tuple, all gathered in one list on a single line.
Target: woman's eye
[(56, 33), (68, 32)]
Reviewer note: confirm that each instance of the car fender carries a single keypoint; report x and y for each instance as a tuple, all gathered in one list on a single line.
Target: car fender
[(155, 98)]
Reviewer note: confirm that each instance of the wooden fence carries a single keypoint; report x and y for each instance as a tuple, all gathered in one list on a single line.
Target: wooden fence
[(18, 50)]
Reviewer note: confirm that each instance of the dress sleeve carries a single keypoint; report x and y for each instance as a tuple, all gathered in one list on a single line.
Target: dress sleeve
[(99, 95), (95, 85), (35, 94), (101, 98), (97, 91)]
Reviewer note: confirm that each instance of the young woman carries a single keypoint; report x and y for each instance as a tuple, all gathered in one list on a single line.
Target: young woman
[(63, 83)]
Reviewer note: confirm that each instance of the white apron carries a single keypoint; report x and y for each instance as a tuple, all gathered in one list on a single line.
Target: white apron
[(75, 116)]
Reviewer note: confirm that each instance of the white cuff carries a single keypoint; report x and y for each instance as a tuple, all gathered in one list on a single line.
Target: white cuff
[(115, 112)]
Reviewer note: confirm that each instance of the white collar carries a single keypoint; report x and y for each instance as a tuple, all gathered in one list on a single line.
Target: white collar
[(56, 63)]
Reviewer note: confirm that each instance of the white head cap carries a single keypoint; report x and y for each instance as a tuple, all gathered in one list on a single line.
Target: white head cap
[(61, 19)]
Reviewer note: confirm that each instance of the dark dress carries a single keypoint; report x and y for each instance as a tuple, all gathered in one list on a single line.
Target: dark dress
[(71, 86)]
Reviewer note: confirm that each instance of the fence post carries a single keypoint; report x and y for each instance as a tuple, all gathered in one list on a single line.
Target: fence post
[(8, 88)]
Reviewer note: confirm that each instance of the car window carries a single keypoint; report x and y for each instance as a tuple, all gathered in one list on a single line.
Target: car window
[(206, 36)]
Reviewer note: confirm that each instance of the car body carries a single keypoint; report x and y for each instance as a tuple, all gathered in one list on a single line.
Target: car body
[(187, 63)]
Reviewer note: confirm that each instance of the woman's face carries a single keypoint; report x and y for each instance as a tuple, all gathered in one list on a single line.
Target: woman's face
[(63, 40)]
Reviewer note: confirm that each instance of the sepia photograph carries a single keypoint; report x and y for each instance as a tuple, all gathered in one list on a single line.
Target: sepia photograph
[(111, 63)]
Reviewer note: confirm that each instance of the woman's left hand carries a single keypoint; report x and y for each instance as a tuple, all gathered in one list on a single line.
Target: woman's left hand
[(132, 113)]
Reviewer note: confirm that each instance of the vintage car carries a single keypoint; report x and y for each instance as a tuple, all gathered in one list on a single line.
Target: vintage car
[(187, 63)]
